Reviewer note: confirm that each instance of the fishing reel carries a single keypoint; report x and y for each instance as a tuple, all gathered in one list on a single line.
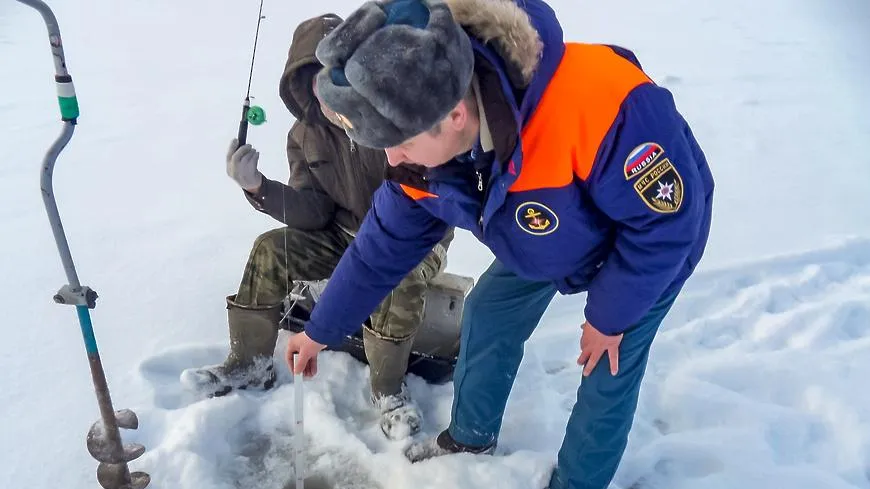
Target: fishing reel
[(256, 115), (251, 114)]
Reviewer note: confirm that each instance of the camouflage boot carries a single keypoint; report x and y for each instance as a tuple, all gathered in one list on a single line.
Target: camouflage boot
[(388, 361), (253, 333)]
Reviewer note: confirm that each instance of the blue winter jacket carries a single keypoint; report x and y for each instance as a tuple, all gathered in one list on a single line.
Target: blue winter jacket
[(596, 183)]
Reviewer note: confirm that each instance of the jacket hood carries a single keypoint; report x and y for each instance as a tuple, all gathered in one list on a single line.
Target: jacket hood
[(509, 30), (295, 87)]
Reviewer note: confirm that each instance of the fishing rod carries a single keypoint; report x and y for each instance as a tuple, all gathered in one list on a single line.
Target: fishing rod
[(253, 114), (104, 438)]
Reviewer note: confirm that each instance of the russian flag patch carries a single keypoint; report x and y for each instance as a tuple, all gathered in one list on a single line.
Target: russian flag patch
[(641, 157)]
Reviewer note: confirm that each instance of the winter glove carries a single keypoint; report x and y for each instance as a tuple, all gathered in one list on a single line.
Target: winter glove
[(242, 166)]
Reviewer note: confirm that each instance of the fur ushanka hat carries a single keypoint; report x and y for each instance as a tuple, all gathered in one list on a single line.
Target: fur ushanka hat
[(394, 69)]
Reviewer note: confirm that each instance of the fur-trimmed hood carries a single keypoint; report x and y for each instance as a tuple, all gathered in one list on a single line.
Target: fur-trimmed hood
[(504, 24)]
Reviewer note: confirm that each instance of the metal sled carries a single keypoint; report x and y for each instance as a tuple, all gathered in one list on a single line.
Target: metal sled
[(436, 345)]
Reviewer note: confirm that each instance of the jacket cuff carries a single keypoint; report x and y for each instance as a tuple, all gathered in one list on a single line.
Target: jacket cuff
[(605, 321), (258, 199), (323, 336)]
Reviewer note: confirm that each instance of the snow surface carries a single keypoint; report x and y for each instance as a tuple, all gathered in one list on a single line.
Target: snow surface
[(758, 378)]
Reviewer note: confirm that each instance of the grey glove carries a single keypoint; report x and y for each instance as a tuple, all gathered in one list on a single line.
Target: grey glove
[(242, 166)]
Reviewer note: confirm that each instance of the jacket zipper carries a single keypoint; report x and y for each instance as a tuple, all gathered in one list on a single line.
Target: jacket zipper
[(482, 200)]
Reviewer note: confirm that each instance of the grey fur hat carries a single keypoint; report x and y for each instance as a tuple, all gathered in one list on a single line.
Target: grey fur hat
[(394, 69)]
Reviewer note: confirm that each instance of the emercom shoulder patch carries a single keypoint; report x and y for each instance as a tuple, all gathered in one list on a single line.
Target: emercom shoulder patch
[(661, 188)]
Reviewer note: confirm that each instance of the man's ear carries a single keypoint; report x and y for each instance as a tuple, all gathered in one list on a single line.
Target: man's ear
[(458, 117)]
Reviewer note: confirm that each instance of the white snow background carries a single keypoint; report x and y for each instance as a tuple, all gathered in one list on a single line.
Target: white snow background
[(758, 379)]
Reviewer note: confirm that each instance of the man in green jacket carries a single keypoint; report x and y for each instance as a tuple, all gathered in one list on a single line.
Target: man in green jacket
[(328, 194)]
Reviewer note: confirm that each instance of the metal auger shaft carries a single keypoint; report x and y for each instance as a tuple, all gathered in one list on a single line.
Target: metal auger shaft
[(104, 438)]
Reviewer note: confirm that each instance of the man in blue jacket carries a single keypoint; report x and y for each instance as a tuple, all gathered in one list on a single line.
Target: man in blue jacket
[(564, 159)]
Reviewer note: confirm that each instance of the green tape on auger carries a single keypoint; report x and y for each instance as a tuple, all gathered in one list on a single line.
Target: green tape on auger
[(256, 115), (69, 108), (66, 98)]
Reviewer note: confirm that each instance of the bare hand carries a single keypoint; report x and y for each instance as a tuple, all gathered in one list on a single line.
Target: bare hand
[(307, 358), (593, 345)]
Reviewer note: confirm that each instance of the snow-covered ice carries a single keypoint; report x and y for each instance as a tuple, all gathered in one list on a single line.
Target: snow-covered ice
[(756, 380)]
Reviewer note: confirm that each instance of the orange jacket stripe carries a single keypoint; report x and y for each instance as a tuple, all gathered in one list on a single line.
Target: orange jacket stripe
[(574, 115), (416, 194)]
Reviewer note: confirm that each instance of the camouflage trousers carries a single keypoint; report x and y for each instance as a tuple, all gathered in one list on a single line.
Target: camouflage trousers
[(283, 255)]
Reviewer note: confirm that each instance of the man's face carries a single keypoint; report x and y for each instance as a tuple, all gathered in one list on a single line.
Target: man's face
[(453, 135), (429, 149), (330, 114)]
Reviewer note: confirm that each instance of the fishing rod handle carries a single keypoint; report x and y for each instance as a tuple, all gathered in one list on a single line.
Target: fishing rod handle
[(243, 126)]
